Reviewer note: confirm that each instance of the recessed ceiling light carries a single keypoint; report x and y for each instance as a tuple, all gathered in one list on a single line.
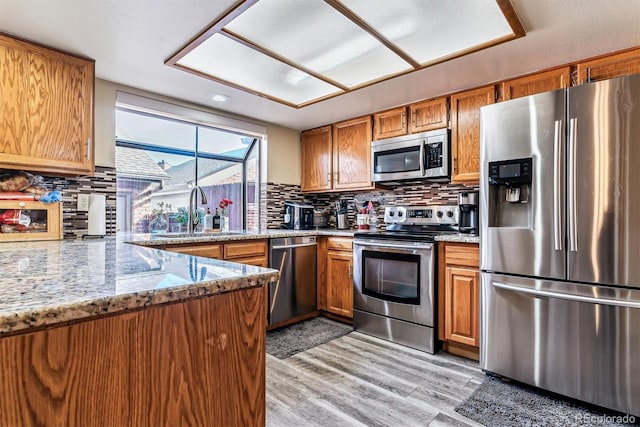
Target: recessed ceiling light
[(218, 97)]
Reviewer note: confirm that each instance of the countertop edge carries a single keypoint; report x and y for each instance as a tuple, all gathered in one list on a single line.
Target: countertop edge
[(29, 320)]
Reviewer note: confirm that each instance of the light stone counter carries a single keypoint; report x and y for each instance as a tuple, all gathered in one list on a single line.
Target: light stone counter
[(184, 238), (45, 283), (458, 238)]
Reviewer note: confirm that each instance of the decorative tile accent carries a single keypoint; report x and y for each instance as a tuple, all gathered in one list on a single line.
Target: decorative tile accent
[(413, 193)]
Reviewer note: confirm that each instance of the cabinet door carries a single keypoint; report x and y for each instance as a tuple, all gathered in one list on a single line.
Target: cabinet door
[(620, 64), (14, 91), (46, 101), (352, 154), (390, 123), (462, 302), (537, 83), (340, 283), (316, 159), (60, 112), (428, 115), (465, 133)]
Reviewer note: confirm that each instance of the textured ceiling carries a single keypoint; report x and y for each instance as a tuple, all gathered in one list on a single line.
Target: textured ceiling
[(130, 41)]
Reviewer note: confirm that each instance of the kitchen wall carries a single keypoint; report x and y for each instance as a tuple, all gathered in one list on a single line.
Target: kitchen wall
[(282, 145), (409, 193)]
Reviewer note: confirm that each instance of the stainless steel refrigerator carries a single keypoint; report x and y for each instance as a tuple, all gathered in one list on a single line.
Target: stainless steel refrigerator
[(560, 241)]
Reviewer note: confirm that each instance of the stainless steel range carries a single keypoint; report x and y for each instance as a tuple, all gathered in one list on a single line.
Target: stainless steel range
[(395, 275)]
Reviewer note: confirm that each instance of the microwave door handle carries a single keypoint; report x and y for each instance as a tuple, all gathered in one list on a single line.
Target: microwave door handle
[(422, 170)]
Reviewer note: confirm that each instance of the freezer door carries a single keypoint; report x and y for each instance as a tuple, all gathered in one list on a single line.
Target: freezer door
[(573, 339), (524, 238), (603, 182)]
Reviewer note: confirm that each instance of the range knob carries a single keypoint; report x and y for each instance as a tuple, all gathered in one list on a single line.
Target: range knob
[(392, 213), (399, 213), (439, 214), (449, 214)]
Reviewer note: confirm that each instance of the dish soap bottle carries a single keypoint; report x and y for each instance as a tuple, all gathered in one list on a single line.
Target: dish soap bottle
[(208, 221), (216, 221)]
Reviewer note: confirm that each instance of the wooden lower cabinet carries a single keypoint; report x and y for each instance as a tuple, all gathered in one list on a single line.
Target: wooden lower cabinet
[(199, 362), (335, 276), (340, 283), (459, 298)]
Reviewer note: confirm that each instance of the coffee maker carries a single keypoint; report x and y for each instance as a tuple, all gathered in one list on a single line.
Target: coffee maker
[(468, 217), (297, 216)]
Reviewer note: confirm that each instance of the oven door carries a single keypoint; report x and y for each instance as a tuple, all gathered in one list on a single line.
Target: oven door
[(395, 279)]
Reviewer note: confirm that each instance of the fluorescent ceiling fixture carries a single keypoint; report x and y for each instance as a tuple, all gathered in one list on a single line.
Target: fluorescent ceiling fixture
[(299, 52)]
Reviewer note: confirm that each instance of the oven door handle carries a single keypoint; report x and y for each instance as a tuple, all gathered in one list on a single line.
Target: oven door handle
[(423, 246)]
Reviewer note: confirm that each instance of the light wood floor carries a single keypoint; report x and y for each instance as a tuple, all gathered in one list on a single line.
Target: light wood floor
[(360, 380)]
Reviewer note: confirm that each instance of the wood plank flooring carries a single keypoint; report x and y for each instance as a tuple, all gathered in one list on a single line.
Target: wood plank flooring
[(359, 380)]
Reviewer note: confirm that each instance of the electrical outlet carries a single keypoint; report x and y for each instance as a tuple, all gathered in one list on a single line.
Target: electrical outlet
[(83, 203)]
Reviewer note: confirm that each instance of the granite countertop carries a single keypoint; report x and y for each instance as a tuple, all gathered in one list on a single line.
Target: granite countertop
[(458, 238), (45, 283), (184, 238)]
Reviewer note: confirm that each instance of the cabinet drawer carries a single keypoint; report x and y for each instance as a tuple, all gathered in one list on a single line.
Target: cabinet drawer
[(247, 249), (208, 251), (467, 255), (45, 221), (261, 261), (340, 243)]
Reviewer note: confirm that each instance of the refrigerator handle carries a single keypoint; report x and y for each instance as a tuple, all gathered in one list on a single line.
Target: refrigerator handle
[(573, 238), (421, 160), (566, 296), (557, 216)]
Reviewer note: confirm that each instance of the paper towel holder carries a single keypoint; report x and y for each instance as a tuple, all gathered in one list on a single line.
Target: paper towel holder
[(96, 217)]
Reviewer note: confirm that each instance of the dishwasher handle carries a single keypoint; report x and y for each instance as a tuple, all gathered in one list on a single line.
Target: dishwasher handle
[(299, 245)]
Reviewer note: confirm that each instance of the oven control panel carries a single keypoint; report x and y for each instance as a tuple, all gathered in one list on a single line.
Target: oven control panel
[(436, 214)]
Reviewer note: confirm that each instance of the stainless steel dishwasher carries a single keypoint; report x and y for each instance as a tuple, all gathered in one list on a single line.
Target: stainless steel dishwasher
[(294, 294)]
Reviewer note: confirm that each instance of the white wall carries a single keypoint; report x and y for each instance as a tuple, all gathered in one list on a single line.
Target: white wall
[(282, 145)]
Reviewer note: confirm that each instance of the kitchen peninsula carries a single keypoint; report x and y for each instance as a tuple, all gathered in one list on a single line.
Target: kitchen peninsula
[(102, 332)]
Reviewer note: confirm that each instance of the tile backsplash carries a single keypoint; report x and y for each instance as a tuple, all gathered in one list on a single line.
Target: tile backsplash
[(409, 193), (74, 223)]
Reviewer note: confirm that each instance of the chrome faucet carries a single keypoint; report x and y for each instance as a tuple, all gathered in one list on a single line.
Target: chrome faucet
[(194, 219)]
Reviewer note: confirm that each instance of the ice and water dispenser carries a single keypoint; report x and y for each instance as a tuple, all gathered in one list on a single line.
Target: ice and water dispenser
[(509, 193)]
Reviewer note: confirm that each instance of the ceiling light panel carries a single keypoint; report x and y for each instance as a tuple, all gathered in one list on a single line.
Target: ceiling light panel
[(429, 30), (225, 59), (320, 39)]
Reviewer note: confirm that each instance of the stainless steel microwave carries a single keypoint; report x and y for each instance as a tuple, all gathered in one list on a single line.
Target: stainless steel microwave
[(418, 156)]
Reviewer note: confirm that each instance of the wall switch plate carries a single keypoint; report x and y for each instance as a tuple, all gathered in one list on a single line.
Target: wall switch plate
[(83, 203)]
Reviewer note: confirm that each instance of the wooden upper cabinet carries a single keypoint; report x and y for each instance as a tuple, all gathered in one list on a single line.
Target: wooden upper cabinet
[(46, 109), (536, 83), (387, 124), (465, 133), (616, 65), (352, 154), (316, 159), (428, 115)]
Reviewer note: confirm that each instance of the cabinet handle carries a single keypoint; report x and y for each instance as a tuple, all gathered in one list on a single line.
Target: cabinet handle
[(402, 119), (88, 148), (336, 177), (413, 117), (350, 270), (328, 178)]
